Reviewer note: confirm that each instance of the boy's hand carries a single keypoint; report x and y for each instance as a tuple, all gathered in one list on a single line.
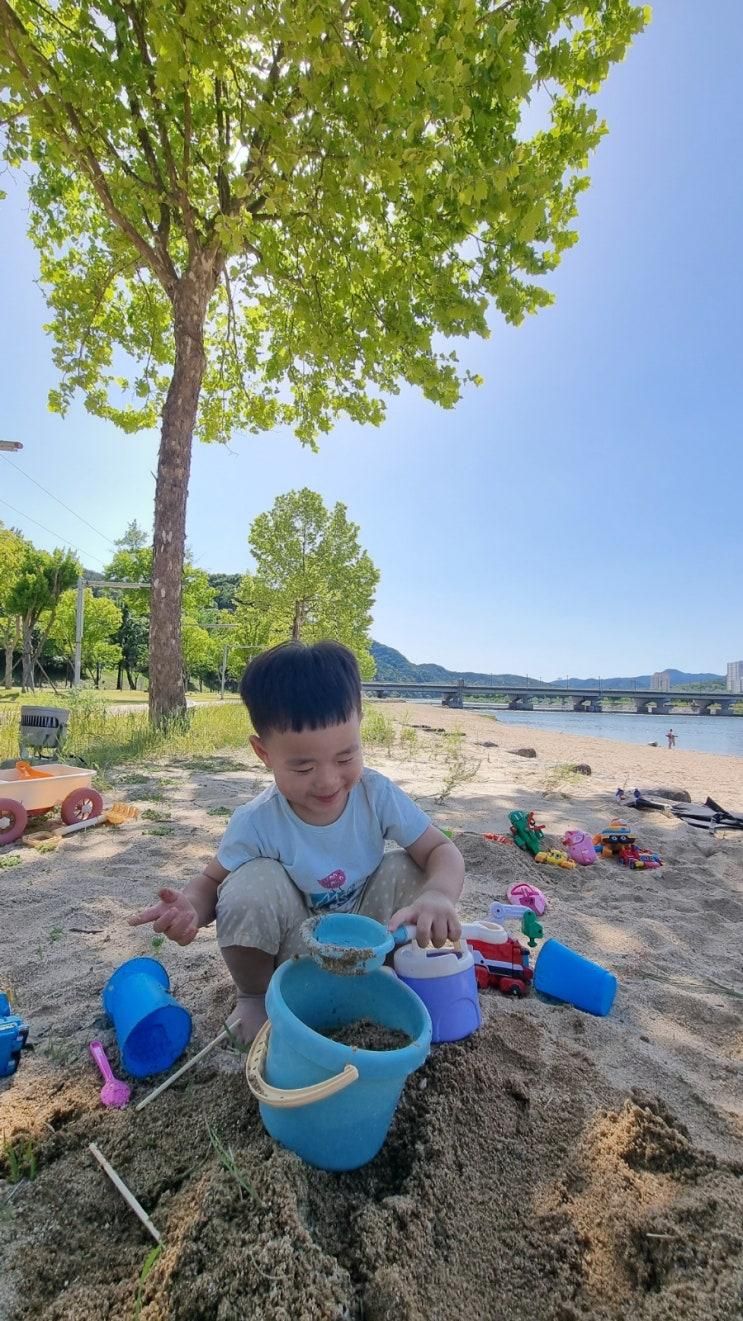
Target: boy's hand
[(434, 916), (174, 916)]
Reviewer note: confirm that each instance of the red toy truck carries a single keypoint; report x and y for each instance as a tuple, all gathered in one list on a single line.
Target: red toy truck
[(500, 961)]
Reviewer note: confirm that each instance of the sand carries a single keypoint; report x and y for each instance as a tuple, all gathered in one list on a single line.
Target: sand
[(556, 1166)]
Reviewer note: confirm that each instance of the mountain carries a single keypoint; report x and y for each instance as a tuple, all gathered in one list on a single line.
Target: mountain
[(396, 668), (677, 678)]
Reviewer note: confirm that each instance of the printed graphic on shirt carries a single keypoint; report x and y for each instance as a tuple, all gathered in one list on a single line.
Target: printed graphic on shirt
[(334, 881), (340, 899)]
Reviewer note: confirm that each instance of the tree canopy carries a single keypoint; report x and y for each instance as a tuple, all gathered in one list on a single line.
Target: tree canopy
[(311, 580), (277, 209)]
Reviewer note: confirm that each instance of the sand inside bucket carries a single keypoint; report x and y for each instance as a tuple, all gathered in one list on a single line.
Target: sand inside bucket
[(366, 1035)]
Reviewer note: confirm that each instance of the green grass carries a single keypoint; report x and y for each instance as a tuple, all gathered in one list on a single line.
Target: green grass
[(105, 740)]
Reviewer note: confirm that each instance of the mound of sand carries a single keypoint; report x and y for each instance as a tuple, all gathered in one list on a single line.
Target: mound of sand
[(555, 1167)]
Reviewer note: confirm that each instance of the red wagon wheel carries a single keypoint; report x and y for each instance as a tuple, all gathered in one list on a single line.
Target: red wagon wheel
[(13, 820), (81, 805)]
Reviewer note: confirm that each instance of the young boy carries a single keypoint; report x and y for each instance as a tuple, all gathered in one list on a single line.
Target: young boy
[(313, 841)]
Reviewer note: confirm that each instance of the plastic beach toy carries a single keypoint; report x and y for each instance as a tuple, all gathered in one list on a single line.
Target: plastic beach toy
[(565, 975), (152, 1028), (332, 1104), (444, 979), (349, 944), (580, 847), (113, 1092), (527, 895), (13, 1038)]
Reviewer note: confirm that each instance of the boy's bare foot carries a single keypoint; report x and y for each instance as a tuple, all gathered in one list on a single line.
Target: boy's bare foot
[(247, 1017)]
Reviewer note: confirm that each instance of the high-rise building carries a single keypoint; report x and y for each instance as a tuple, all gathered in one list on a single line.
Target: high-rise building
[(735, 677), (661, 681)]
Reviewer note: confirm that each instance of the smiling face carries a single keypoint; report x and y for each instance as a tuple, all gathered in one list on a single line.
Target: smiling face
[(315, 769)]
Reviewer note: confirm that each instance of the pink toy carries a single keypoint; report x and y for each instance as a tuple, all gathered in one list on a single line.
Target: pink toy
[(113, 1092), (529, 896), (580, 847)]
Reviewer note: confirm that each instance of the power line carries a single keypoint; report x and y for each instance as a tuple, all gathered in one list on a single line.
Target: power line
[(60, 502), (57, 536)]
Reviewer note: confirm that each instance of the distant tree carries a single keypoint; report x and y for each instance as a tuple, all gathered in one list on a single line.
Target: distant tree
[(132, 640), (285, 207), (12, 548), (225, 587), (42, 579), (312, 580), (101, 623), (134, 538)]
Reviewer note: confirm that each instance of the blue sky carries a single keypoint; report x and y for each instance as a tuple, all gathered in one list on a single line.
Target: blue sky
[(581, 512)]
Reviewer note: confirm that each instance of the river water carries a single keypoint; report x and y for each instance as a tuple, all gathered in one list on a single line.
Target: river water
[(720, 734)]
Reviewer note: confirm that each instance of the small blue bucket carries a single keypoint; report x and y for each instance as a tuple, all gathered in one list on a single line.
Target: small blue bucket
[(333, 1104), (152, 1028), (565, 975)]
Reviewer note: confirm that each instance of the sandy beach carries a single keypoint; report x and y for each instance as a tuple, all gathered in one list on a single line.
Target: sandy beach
[(555, 1166)]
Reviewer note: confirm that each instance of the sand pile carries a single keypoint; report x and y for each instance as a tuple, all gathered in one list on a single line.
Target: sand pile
[(506, 1188), (556, 1167)]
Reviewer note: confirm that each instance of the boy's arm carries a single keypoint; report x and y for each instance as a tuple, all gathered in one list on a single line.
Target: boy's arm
[(180, 913), (433, 909)]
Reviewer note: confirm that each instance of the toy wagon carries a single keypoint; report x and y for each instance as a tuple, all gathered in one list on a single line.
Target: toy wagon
[(33, 792)]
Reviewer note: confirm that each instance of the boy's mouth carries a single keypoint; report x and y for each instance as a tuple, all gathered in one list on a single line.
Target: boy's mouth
[(327, 799)]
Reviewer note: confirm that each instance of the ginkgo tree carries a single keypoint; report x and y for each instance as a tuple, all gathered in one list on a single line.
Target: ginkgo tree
[(311, 580), (278, 210)]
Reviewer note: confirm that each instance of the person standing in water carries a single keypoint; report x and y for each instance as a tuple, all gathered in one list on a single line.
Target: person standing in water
[(671, 738)]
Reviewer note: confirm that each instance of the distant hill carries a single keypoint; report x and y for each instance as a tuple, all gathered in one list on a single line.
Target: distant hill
[(678, 679), (396, 668)]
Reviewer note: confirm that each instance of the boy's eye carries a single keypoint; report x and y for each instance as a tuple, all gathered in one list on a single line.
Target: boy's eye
[(306, 771)]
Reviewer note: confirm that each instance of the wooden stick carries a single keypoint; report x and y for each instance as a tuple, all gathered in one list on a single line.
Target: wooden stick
[(183, 1069), (129, 1197)]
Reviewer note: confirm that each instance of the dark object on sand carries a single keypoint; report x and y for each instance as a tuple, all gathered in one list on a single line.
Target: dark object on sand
[(652, 745), (675, 795), (522, 752), (487, 744), (705, 816), (581, 768)]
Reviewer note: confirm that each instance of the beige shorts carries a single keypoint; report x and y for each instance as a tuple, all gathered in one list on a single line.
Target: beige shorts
[(260, 907)]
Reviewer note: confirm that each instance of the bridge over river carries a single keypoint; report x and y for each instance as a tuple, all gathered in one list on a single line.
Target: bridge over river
[(521, 697)]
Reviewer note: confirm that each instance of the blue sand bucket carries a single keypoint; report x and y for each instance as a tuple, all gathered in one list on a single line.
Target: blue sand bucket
[(349, 944), (565, 975), (152, 1028), (332, 1104)]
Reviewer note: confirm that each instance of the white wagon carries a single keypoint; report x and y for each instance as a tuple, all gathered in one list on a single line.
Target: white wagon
[(67, 787)]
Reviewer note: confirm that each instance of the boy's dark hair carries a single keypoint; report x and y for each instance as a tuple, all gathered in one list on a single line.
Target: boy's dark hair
[(300, 686)]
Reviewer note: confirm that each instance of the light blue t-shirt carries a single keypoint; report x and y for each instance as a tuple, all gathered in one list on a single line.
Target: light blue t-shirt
[(329, 864)]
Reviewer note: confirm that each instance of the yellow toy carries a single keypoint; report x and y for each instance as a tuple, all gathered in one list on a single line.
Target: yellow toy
[(556, 857)]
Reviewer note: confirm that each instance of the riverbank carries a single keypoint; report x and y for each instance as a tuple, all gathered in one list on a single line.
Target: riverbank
[(555, 1166)]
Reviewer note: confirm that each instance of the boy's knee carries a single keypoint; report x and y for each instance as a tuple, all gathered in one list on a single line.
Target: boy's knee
[(257, 903)]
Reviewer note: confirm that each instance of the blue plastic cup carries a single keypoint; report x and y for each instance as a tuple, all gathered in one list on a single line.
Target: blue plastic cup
[(565, 975), (152, 1028)]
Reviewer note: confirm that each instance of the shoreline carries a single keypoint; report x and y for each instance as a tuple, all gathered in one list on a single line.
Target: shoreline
[(614, 763)]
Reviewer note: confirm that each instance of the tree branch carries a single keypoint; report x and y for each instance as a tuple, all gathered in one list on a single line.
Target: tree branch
[(74, 135)]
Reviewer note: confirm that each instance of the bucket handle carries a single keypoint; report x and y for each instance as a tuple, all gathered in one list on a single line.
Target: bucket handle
[(289, 1098)]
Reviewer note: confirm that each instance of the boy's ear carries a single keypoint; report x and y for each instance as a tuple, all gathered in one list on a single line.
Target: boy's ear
[(260, 750)]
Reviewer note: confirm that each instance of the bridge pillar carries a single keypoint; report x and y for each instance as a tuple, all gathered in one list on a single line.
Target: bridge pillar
[(701, 707), (521, 704), (586, 704)]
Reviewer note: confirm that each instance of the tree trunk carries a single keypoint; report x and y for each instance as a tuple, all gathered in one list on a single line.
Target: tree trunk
[(27, 679), (120, 677), (9, 649), (167, 695)]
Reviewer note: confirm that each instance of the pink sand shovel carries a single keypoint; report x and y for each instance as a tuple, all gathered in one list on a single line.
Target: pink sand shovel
[(113, 1092)]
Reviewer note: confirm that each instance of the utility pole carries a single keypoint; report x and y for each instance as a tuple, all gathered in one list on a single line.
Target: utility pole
[(79, 614), (224, 672)]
